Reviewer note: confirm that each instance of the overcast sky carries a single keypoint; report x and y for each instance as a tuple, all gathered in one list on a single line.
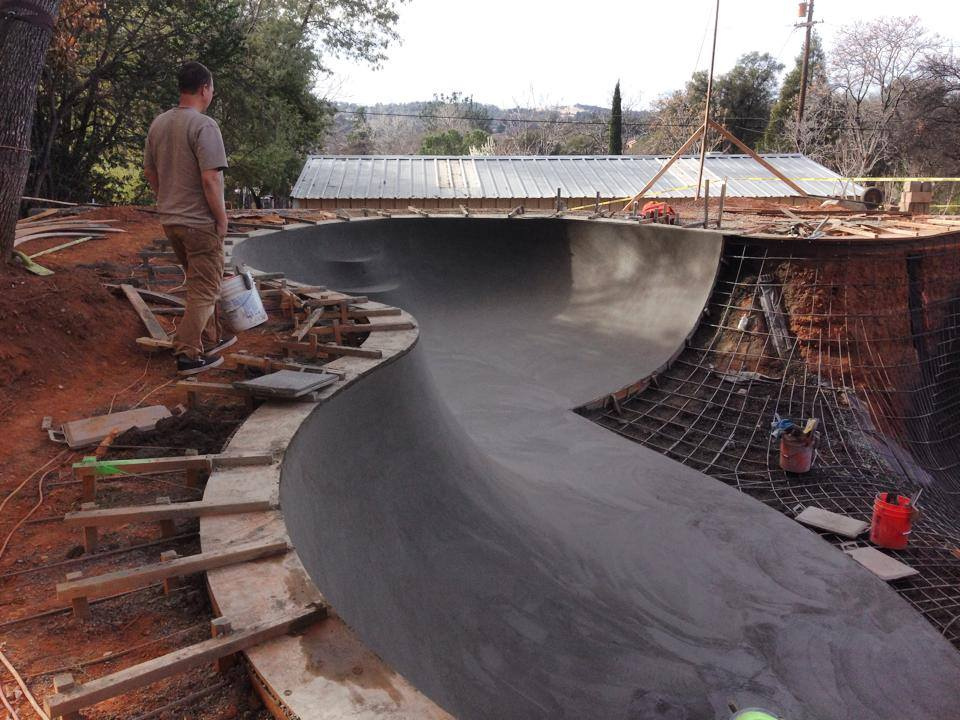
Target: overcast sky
[(538, 53)]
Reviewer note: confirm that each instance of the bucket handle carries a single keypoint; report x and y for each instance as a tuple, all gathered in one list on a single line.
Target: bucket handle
[(247, 280)]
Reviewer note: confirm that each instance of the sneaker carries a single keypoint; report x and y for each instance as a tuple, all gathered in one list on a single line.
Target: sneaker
[(222, 344), (186, 366)]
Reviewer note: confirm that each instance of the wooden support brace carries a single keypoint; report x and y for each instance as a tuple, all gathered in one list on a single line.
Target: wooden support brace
[(749, 151), (653, 181), (221, 627), (162, 511), (364, 328), (149, 320), (88, 478), (90, 540), (64, 683), (178, 661), (311, 320), (316, 348), (121, 580), (173, 582), (80, 604)]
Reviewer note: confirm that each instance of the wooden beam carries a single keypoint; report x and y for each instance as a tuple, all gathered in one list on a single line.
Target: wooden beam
[(122, 580), (71, 699), (268, 365), (331, 350), (364, 328), (155, 513), (154, 296), (653, 181), (311, 320), (149, 343), (149, 320), (749, 151), (147, 466)]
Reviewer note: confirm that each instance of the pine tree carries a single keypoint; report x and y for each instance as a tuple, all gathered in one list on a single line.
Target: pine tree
[(616, 123), (360, 137)]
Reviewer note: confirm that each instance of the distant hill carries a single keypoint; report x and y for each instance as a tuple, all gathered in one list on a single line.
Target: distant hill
[(398, 128)]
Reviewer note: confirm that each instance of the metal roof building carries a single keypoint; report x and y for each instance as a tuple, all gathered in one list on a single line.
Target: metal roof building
[(378, 181)]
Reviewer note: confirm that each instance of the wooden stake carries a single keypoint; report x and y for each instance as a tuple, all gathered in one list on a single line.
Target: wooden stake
[(706, 110), (706, 202), (723, 197)]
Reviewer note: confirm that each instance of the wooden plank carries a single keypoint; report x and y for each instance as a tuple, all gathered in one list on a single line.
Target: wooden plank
[(852, 229), (364, 328), (311, 320), (333, 350), (148, 466), (121, 580), (155, 513), (269, 365), (64, 246), (941, 222), (39, 216), (149, 319), (154, 344), (357, 313), (109, 686)]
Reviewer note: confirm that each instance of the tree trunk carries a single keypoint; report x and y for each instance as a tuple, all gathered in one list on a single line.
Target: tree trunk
[(25, 30)]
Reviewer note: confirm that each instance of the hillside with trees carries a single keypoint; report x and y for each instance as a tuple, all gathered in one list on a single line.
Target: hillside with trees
[(885, 99)]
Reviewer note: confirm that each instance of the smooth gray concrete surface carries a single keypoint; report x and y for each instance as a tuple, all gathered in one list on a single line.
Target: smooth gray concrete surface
[(514, 560)]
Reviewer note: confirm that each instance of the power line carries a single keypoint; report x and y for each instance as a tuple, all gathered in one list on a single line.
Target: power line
[(632, 123)]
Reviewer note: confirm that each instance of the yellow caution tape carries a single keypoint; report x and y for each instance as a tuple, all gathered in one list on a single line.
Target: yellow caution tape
[(657, 193)]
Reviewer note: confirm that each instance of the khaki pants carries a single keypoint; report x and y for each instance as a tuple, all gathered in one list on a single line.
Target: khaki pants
[(200, 250)]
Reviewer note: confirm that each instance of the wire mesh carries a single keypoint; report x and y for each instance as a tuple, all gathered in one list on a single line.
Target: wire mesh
[(864, 337)]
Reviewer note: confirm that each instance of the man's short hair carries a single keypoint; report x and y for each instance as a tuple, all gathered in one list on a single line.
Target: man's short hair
[(193, 76)]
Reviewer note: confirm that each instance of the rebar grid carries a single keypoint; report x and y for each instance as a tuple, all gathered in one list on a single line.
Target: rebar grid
[(874, 336)]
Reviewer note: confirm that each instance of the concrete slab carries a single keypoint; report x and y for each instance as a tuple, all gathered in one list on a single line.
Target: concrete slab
[(286, 383), (832, 522), (83, 433), (881, 564)]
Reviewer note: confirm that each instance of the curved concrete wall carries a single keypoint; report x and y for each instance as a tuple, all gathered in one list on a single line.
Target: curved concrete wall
[(514, 560)]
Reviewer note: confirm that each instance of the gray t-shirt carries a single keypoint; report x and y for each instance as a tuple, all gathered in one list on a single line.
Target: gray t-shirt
[(180, 144)]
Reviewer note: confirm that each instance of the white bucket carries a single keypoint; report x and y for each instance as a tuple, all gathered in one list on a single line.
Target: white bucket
[(240, 303)]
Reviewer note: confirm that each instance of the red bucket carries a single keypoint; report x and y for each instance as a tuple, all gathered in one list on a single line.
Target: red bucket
[(797, 452), (891, 522)]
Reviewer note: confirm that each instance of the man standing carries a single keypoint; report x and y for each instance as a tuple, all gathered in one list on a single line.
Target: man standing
[(184, 161)]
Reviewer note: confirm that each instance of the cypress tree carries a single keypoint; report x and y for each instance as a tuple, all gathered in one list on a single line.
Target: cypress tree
[(616, 123)]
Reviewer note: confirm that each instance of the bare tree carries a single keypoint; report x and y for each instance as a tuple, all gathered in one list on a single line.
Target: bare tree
[(25, 30), (874, 67)]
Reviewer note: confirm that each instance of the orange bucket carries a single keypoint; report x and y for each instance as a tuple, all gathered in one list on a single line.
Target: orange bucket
[(797, 452), (891, 522)]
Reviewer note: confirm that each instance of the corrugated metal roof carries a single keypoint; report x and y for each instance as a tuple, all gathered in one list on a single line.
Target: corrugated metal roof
[(357, 177)]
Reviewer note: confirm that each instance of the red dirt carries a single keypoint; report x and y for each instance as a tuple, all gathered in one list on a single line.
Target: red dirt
[(67, 351)]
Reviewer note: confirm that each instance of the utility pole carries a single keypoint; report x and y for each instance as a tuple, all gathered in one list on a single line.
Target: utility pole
[(806, 61), (706, 111)]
